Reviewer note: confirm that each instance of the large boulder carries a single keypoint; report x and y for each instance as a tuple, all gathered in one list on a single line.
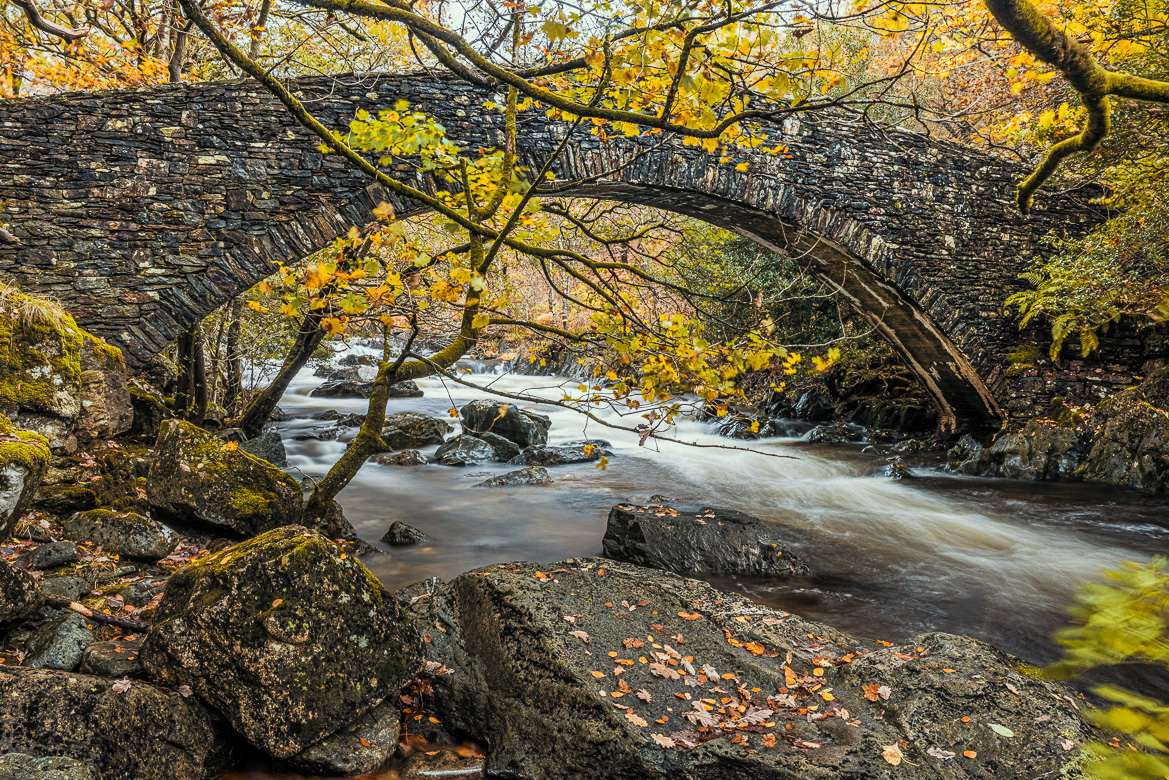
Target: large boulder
[(506, 420), (361, 747), (545, 455), (18, 593), (196, 477), (122, 732), (285, 636), (1042, 450), (464, 450), (122, 533), (345, 388), (55, 378), (409, 430), (24, 460), (709, 541), (1131, 443), (594, 669), (532, 475)]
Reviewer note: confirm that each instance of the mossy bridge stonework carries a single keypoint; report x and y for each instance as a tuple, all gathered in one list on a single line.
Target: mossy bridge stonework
[(142, 211)]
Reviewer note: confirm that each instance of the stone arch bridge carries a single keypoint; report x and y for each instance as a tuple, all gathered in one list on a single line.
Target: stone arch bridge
[(142, 211)]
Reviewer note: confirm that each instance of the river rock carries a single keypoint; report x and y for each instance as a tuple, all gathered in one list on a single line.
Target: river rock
[(505, 449), (18, 593), (464, 450), (352, 374), (195, 478), (50, 556), (409, 430), (709, 541), (836, 433), (106, 408), (745, 426), (401, 534), (344, 389), (528, 670), (358, 360), (1131, 443), (121, 733), (1042, 450), (444, 764), (407, 388), (532, 475), (403, 458), (24, 460), (286, 638), (21, 766), (60, 643), (524, 428), (64, 499), (545, 455), (816, 405), (122, 533), (117, 658), (359, 748), (324, 433)]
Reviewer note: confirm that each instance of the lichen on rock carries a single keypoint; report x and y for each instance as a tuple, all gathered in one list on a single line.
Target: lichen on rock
[(24, 460)]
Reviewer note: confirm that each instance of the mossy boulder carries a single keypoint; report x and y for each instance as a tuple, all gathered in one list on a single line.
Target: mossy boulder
[(590, 668), (709, 541), (122, 533), (140, 733), (24, 460), (18, 593), (64, 499), (1131, 443), (55, 378), (196, 477), (286, 637)]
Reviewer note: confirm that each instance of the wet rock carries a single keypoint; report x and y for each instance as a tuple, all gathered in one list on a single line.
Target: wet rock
[(267, 446), (709, 541), (524, 428), (24, 460), (897, 470), (21, 766), (18, 593), (331, 433), (64, 499), (745, 426), (408, 430), (343, 389), (361, 747), (442, 764), (1040, 451), (816, 405), (334, 525), (518, 677), (279, 415), (403, 458), (532, 475), (836, 433), (118, 658), (288, 640), (195, 479), (407, 388), (401, 534), (50, 556), (59, 644), (1131, 443), (122, 533), (464, 450), (121, 733), (505, 449), (358, 360), (545, 455), (106, 408), (412, 594)]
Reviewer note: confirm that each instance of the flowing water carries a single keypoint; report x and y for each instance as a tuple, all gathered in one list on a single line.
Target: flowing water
[(990, 558)]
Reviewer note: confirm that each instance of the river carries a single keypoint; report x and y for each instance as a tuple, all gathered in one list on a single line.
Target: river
[(994, 559)]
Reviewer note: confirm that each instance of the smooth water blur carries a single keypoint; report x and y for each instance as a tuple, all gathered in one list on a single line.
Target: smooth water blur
[(989, 558)]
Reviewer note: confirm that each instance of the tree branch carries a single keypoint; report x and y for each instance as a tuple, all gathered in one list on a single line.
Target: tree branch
[(66, 34)]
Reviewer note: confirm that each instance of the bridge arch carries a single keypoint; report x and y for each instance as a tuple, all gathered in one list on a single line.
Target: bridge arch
[(143, 211)]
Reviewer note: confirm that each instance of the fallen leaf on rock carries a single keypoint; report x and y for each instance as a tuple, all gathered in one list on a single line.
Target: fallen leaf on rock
[(665, 742), (884, 692), (1012, 689), (1067, 744), (364, 741), (570, 618), (769, 740), (1001, 730), (970, 753), (185, 691), (121, 686), (937, 752), (892, 754), (644, 695), (581, 635), (635, 719), (598, 675)]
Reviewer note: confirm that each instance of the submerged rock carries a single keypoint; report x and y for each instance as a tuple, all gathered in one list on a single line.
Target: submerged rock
[(545, 664), (403, 458), (195, 477), (464, 450), (18, 593), (709, 541), (506, 420), (545, 455), (401, 534), (532, 475), (120, 731), (409, 430), (284, 637), (24, 460), (123, 533)]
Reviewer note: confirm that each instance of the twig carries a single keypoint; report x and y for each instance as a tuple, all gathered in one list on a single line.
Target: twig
[(60, 602)]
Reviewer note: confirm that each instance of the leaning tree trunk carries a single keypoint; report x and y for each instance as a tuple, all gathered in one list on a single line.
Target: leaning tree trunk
[(308, 338), (231, 393)]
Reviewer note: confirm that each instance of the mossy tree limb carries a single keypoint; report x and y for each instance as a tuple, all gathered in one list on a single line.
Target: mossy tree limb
[(1095, 84)]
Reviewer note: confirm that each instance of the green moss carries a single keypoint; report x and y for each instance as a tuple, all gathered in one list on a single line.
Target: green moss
[(1024, 357), (32, 452), (248, 502), (34, 335)]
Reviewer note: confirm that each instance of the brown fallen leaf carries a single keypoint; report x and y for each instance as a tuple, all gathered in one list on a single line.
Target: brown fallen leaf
[(662, 741), (644, 695), (937, 752), (892, 754), (635, 719), (970, 753), (581, 635)]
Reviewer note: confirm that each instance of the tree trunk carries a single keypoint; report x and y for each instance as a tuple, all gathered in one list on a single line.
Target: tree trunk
[(308, 339), (231, 394), (179, 53), (191, 396)]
